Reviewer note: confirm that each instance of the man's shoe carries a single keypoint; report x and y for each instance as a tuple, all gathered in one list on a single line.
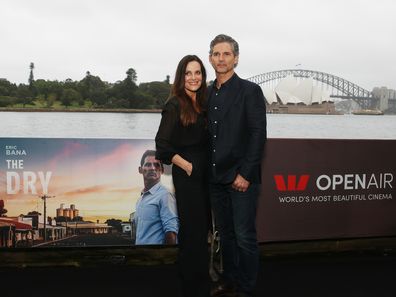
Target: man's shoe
[(223, 290)]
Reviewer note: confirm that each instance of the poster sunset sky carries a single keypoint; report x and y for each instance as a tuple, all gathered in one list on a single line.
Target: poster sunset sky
[(99, 176)]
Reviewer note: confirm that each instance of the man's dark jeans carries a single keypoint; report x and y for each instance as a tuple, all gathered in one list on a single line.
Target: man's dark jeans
[(235, 216)]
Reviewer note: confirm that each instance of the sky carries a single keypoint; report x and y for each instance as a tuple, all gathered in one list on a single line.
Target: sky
[(352, 39)]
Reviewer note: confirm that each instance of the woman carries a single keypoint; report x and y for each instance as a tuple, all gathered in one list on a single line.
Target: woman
[(182, 140)]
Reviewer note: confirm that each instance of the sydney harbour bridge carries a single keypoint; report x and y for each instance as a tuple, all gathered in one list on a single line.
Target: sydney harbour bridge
[(339, 87)]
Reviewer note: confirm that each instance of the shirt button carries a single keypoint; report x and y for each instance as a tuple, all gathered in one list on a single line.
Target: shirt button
[(215, 122), (214, 164), (214, 136), (215, 107), (214, 151)]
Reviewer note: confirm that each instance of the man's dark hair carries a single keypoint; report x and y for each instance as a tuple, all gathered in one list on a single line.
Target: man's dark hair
[(149, 153), (225, 38)]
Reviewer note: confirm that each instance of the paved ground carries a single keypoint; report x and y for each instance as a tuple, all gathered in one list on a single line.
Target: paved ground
[(84, 240), (340, 274)]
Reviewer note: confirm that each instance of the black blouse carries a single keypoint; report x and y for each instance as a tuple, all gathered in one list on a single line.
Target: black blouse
[(173, 138)]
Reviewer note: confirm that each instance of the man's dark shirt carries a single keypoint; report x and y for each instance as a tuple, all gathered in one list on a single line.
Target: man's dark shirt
[(237, 128), (216, 103)]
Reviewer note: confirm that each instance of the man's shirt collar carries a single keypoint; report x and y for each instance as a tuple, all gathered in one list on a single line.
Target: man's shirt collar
[(227, 83), (153, 189)]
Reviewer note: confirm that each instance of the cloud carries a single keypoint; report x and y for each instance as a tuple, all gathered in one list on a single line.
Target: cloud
[(107, 189), (86, 191), (113, 159), (70, 149)]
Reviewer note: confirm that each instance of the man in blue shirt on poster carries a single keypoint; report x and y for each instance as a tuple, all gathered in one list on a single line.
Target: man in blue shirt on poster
[(156, 213)]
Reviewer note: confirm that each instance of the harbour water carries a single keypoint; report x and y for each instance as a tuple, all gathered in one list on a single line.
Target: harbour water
[(144, 125)]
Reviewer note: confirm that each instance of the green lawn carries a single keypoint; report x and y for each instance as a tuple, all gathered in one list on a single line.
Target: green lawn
[(39, 103)]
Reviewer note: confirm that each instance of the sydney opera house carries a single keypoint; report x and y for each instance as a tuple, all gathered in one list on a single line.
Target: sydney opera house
[(298, 96)]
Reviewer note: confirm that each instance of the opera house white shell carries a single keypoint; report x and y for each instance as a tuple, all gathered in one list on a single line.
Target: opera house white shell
[(291, 91)]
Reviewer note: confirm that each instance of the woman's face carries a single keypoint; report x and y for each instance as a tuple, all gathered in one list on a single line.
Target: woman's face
[(192, 77)]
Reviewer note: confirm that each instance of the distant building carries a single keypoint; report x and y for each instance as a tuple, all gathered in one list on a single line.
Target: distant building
[(7, 234), (298, 96), (71, 212), (386, 97), (86, 228), (14, 231), (296, 92), (53, 232)]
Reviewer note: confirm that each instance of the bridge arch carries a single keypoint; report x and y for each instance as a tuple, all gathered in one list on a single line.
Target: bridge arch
[(349, 90)]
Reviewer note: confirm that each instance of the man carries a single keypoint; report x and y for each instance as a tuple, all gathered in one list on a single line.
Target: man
[(156, 215), (237, 128)]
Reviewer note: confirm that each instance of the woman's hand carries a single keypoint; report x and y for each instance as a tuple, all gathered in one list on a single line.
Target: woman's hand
[(183, 164), (189, 168)]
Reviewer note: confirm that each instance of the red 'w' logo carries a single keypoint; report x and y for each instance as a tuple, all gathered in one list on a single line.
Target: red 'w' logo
[(292, 184)]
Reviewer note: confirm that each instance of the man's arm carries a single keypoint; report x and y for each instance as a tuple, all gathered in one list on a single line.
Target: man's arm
[(170, 237), (257, 134), (169, 218)]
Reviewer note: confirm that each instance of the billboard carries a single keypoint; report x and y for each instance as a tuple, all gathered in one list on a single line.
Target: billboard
[(54, 191), (84, 192), (323, 189)]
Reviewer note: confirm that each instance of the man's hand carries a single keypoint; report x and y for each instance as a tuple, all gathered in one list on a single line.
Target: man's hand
[(240, 184), (170, 237)]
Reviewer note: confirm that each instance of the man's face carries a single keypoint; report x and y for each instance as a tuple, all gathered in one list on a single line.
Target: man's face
[(151, 169), (223, 58)]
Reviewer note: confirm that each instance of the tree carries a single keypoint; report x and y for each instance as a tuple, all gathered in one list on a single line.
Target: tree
[(132, 75), (42, 87), (124, 91), (144, 100), (117, 103), (6, 101), (34, 213), (128, 88), (116, 224), (31, 76), (56, 89), (24, 95), (69, 96), (70, 84), (94, 89), (98, 97), (157, 90), (7, 93), (32, 89), (7, 88), (84, 86), (121, 94)]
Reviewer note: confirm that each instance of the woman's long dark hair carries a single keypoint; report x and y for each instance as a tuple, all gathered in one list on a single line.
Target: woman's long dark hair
[(188, 114)]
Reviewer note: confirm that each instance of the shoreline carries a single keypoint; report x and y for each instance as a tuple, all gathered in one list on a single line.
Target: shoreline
[(117, 110), (130, 110)]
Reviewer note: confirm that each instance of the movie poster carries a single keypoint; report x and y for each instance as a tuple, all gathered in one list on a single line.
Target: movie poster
[(70, 192), (87, 192)]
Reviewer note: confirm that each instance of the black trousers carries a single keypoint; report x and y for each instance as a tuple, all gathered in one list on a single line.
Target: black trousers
[(192, 198)]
